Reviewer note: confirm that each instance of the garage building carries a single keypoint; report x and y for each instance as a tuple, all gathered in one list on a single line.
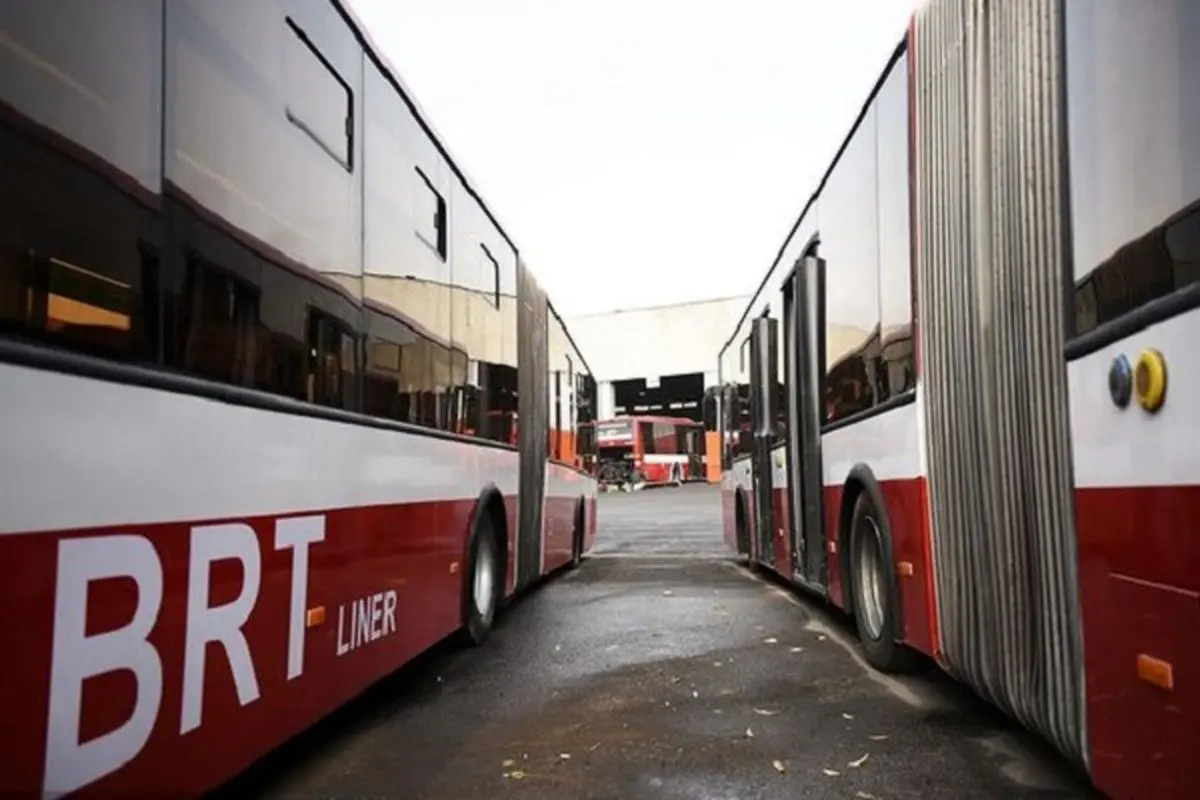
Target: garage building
[(657, 360)]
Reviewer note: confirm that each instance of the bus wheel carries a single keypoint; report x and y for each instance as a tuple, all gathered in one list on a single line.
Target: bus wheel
[(873, 582), (577, 535), (742, 526), (483, 586)]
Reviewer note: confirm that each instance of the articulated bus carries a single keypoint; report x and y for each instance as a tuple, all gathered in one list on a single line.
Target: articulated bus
[(970, 375), (262, 356), (649, 451)]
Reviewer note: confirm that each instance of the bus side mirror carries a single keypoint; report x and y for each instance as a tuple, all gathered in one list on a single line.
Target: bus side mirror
[(765, 355)]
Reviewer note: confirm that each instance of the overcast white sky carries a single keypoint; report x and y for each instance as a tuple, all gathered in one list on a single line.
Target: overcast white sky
[(641, 151)]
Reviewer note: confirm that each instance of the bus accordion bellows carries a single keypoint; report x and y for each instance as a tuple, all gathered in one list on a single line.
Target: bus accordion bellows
[(963, 403), (281, 404)]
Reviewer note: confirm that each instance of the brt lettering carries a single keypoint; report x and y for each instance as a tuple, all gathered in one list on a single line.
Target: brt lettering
[(77, 656)]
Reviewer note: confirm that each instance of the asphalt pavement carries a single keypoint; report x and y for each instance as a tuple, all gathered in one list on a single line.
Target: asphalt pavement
[(662, 668)]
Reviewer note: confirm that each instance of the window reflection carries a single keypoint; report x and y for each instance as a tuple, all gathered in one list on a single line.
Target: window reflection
[(278, 250), (1133, 220)]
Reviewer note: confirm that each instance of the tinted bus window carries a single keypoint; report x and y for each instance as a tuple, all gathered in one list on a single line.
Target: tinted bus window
[(81, 156)]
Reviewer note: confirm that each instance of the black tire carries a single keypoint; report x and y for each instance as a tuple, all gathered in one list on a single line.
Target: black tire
[(577, 534), (480, 607), (873, 582), (742, 527)]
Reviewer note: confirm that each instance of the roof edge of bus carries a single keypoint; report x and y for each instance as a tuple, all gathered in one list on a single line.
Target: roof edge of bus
[(897, 52), (570, 338), (392, 75)]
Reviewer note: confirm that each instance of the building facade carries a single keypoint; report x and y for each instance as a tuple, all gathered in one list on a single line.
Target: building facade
[(658, 359)]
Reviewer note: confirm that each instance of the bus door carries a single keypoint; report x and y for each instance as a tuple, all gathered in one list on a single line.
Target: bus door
[(764, 415), (804, 353), (693, 447)]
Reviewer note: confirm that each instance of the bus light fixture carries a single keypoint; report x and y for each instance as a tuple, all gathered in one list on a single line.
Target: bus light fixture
[(1120, 381)]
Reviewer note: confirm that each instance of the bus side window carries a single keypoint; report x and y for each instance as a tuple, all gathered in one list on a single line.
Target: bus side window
[(331, 362), (220, 325)]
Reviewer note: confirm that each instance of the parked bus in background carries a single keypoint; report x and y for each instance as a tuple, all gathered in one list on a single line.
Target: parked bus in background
[(263, 350), (962, 430), (637, 451)]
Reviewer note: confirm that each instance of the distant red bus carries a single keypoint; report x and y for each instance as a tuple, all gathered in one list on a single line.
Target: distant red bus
[(636, 451)]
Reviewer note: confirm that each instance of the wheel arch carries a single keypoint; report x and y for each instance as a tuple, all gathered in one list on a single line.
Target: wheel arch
[(488, 506)]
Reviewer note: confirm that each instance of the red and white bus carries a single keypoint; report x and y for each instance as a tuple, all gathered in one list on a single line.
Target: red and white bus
[(962, 428), (262, 352), (640, 451)]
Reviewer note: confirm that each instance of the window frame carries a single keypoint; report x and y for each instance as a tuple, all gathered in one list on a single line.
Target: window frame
[(441, 220), (295, 119)]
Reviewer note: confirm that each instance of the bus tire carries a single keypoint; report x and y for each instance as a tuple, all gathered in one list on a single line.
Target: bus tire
[(577, 534), (741, 519), (873, 582), (484, 584)]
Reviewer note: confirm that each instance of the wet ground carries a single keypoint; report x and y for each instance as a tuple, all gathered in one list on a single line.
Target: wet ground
[(662, 669)]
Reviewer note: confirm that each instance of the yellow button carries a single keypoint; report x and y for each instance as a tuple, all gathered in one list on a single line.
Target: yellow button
[(1150, 380)]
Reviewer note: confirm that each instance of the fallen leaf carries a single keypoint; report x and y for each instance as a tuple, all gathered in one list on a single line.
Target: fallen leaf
[(833, 773), (749, 733), (858, 762), (770, 640), (762, 712), (508, 762), (779, 766), (878, 737), (847, 716)]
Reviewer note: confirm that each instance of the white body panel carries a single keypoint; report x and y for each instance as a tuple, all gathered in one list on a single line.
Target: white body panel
[(888, 443), (230, 461), (1129, 447), (664, 458)]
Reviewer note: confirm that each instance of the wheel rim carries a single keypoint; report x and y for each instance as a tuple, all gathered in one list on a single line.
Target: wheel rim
[(485, 577), (869, 560)]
